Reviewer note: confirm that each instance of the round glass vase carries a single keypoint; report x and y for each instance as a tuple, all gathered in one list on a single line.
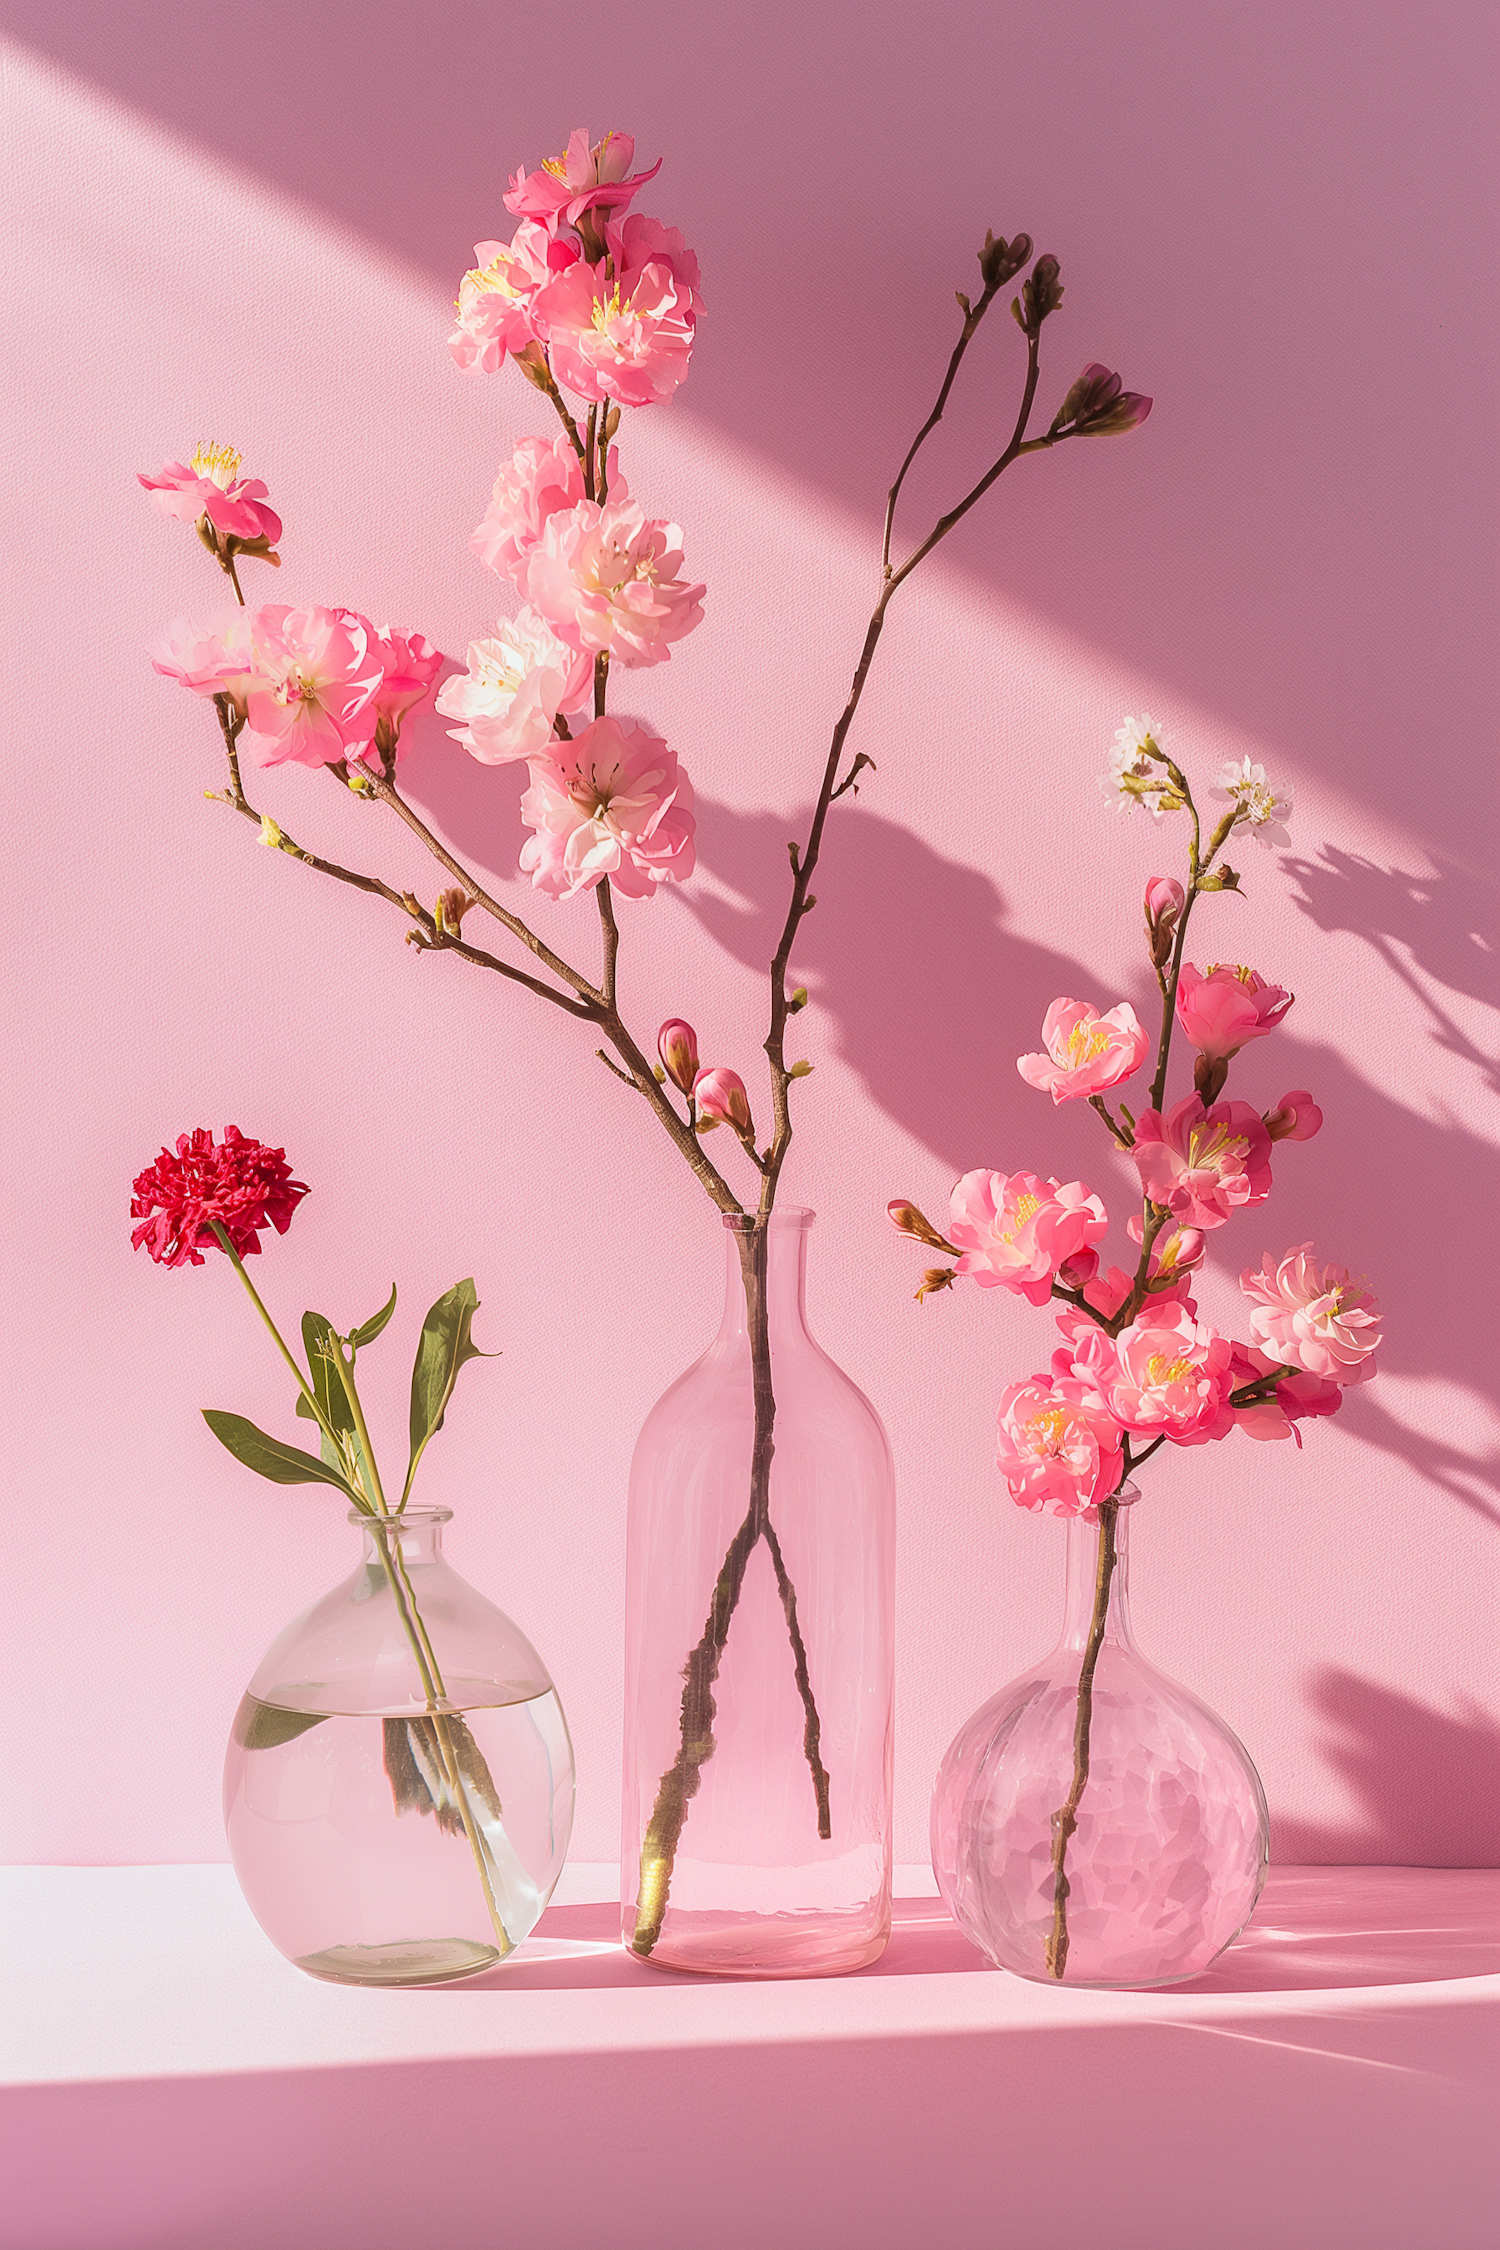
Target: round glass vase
[(398, 1789), (1094, 1823), (759, 1646)]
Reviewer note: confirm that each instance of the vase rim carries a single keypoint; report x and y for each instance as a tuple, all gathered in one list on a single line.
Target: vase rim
[(789, 1217), (408, 1518)]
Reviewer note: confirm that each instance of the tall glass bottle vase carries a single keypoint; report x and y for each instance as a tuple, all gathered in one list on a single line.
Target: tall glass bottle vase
[(1094, 1823), (759, 1645), (398, 1789)]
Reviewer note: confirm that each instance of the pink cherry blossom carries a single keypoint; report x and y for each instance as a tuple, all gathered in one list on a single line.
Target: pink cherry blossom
[(1016, 1231), (210, 659), (1223, 1008), (1313, 1316), (612, 802), (210, 485), (1296, 1117), (1173, 1256), (540, 479), (1296, 1397), (1166, 1374), (608, 580), (518, 679), (1085, 1051), (408, 666), (722, 1099), (1203, 1164), (623, 329), (496, 296), (317, 674), (677, 1044), (581, 179), (1058, 1444)]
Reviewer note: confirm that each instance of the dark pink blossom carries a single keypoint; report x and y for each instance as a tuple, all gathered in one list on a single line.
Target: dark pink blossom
[(1222, 1009), (582, 179), (1203, 1164)]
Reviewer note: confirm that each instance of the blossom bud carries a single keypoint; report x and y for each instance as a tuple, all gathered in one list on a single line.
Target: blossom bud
[(1296, 1117), (677, 1044), (533, 365), (1041, 294), (452, 905), (1165, 899), (722, 1100), (907, 1219), (800, 1070), (797, 1000), (1209, 1074), (1000, 260), (934, 1279), (1081, 1267), (270, 834), (1097, 405)]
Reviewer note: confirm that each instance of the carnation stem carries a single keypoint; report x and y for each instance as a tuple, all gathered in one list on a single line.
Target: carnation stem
[(1065, 1820)]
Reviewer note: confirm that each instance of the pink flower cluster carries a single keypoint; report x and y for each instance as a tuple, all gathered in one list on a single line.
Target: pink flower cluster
[(614, 312), (312, 685), (1018, 1232)]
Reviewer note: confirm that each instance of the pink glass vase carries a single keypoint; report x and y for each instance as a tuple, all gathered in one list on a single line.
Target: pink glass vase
[(759, 1649), (398, 1789), (1168, 1854)]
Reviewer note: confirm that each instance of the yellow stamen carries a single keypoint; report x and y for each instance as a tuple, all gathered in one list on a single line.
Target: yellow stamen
[(1085, 1041), (219, 463), (1160, 1370), (1027, 1207)]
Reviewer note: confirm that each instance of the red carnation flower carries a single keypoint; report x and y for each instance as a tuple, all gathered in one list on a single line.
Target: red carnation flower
[(244, 1185)]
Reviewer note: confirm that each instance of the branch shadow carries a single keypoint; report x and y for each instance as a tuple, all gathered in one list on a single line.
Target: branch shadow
[(1417, 1771), (1230, 549)]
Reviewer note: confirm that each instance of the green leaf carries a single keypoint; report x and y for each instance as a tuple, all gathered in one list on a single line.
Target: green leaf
[(265, 1726), (442, 1349), (267, 1456), (372, 1328), (320, 1342)]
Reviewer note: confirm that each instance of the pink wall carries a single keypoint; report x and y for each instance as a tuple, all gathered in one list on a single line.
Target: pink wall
[(250, 224)]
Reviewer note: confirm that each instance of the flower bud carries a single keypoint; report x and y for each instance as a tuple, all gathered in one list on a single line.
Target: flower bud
[(1165, 899), (1209, 1074), (907, 1219), (800, 1070), (270, 834), (1041, 294), (677, 1044), (1000, 260), (1296, 1117), (934, 1279), (1097, 406), (533, 365), (452, 905), (721, 1098)]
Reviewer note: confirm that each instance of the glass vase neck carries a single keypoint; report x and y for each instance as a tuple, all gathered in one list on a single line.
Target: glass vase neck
[(1086, 1542), (415, 1536), (781, 1240)]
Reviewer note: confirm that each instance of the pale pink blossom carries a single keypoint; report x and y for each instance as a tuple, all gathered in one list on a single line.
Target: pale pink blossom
[(518, 680), (211, 485), (721, 1098), (1168, 1373), (581, 179), (496, 296), (1243, 784), (1203, 1164), (612, 802), (1085, 1051), (1058, 1444), (408, 666), (1296, 1398), (609, 581), (1226, 1006), (317, 674), (677, 1044), (1296, 1117), (541, 479), (1016, 1231), (623, 329), (210, 659), (1314, 1317), (1138, 771)]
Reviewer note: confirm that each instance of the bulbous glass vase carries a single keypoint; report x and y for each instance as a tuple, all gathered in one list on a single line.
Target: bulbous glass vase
[(398, 1789), (759, 1647), (1098, 1830)]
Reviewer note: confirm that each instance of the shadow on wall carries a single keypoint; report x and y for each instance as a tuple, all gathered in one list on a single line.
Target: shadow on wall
[(1240, 550), (1418, 1772)]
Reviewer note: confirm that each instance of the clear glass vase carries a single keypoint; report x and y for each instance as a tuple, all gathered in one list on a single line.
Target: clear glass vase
[(759, 1648), (1098, 1827), (398, 1789)]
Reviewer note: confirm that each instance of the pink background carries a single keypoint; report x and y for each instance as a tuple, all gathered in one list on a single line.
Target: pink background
[(250, 225)]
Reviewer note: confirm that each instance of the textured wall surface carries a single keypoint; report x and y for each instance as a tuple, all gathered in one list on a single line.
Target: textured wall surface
[(249, 224)]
